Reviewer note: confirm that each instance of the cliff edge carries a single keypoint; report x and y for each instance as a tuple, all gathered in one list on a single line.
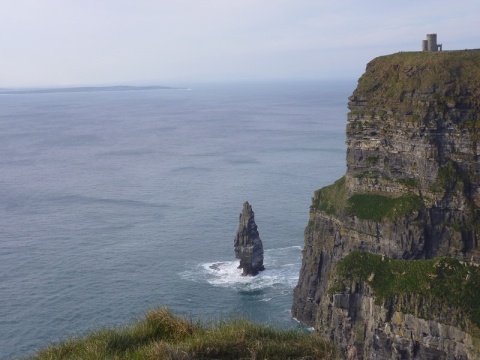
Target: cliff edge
[(391, 256)]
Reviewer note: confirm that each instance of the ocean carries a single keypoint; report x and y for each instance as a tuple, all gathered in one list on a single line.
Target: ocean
[(113, 203)]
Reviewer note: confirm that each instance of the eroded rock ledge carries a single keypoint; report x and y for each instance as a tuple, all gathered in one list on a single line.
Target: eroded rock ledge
[(411, 192)]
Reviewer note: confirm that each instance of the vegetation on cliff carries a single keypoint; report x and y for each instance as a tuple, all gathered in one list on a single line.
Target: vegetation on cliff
[(411, 191), (399, 74), (162, 335), (333, 200), (377, 207), (427, 288), (424, 102)]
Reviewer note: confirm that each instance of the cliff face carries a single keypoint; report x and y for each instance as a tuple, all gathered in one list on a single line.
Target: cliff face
[(411, 192)]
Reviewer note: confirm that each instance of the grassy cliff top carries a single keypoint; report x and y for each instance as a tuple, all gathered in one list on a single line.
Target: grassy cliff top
[(449, 73), (162, 335)]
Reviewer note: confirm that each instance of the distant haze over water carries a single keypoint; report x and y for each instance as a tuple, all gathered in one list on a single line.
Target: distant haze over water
[(79, 89), (115, 202)]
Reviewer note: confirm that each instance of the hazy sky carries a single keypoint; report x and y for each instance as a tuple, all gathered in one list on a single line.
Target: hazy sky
[(77, 42)]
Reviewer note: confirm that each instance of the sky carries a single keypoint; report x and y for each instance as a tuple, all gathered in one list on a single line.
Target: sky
[(163, 42)]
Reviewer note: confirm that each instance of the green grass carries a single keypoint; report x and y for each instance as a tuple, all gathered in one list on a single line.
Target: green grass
[(409, 182), (378, 207), (162, 335), (333, 200), (451, 80), (392, 76), (440, 284), (450, 175)]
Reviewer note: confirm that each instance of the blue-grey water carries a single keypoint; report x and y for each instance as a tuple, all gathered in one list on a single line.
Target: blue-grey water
[(113, 203)]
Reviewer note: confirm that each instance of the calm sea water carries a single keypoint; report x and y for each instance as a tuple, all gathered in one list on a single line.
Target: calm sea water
[(113, 203)]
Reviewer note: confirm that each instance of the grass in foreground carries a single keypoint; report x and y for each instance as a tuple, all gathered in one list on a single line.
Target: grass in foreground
[(162, 335)]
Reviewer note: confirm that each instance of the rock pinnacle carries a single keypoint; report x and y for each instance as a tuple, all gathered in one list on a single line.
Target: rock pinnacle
[(248, 246)]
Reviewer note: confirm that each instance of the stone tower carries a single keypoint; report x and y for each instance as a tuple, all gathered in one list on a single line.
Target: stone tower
[(431, 43), (424, 45)]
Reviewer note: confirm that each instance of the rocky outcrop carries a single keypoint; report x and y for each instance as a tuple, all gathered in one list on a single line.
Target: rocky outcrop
[(375, 331), (248, 246), (412, 192)]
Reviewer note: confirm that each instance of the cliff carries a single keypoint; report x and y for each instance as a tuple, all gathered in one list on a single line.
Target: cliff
[(411, 193)]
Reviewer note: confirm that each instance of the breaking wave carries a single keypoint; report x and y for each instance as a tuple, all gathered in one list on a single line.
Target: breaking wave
[(282, 267)]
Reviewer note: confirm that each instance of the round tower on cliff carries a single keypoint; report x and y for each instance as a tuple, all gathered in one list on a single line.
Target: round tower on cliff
[(432, 42), (424, 45)]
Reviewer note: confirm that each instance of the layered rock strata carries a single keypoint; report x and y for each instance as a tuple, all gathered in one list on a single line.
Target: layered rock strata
[(247, 243), (412, 192)]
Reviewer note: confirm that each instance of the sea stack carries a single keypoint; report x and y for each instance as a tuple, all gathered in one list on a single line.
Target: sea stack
[(248, 246)]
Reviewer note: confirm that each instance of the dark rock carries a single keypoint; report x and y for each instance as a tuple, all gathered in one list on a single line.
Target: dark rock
[(216, 266), (248, 246), (405, 137)]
